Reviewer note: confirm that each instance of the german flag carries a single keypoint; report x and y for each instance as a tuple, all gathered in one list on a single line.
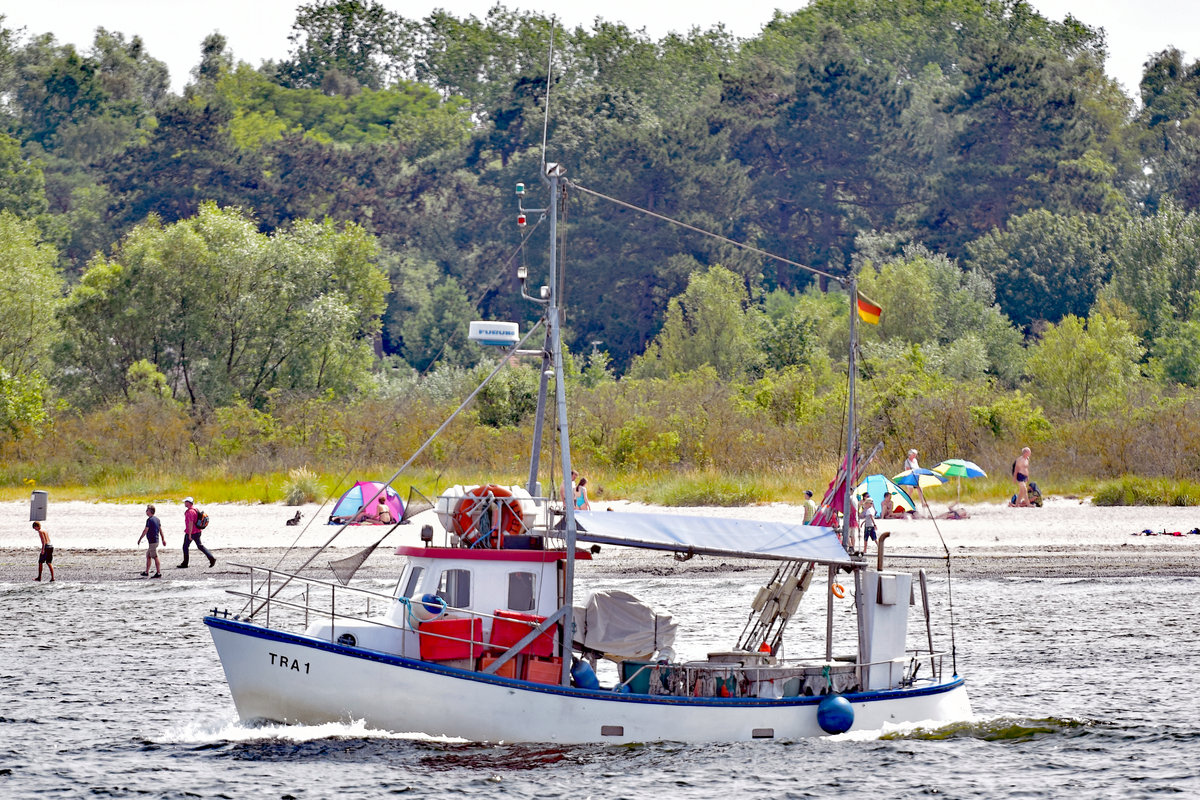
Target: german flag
[(868, 310)]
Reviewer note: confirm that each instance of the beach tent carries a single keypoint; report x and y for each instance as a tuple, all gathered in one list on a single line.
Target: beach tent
[(364, 493)]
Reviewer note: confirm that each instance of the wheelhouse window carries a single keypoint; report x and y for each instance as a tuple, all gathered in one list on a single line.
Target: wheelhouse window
[(455, 588), (414, 580), (521, 591)]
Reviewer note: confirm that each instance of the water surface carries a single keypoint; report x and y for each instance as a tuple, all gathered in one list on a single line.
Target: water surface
[(1080, 688)]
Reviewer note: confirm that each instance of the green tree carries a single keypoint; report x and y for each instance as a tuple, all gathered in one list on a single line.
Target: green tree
[(1177, 351), (1046, 265), (1168, 129), (1027, 126), (712, 324), (829, 157), (929, 301), (224, 311), (30, 295), (22, 182), (1156, 266), (1082, 368), (339, 46)]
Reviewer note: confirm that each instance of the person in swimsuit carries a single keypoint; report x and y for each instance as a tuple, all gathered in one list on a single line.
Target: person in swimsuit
[(152, 533), (383, 514), (581, 496), (1021, 476), (46, 554)]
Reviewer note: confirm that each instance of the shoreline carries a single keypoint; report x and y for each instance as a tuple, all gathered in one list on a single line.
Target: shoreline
[(1066, 539)]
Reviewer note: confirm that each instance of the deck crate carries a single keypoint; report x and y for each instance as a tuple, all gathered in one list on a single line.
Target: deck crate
[(509, 627), (465, 639), (543, 670), (507, 670)]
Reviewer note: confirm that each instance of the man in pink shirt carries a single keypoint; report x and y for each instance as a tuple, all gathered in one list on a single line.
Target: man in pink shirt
[(191, 534)]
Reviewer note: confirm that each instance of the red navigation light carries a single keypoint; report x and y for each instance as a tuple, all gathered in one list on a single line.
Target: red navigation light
[(520, 220)]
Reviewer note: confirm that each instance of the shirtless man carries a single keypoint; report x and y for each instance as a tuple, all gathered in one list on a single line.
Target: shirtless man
[(46, 554), (1021, 476)]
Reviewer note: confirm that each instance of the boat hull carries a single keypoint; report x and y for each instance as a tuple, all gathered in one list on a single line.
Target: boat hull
[(282, 677)]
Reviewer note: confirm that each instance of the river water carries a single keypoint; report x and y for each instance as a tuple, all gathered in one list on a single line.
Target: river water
[(1080, 688)]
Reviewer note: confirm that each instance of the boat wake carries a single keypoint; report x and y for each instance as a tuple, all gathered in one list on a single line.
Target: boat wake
[(234, 732), (1000, 728)]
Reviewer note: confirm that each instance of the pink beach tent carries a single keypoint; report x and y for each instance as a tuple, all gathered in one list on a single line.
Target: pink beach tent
[(366, 493)]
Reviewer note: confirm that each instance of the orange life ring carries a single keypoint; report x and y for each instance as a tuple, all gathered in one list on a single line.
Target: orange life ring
[(838, 591), (466, 514)]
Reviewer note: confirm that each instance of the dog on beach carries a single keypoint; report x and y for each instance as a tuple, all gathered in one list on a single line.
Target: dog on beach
[(295, 520)]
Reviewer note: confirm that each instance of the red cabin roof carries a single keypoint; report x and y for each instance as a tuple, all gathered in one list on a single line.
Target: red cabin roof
[(485, 554)]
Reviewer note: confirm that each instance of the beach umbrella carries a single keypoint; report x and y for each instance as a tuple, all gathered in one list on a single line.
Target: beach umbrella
[(959, 468), (877, 485), (921, 478)]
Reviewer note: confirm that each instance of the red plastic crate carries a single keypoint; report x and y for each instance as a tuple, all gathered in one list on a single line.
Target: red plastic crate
[(509, 627), (547, 670), (507, 670), (467, 641)]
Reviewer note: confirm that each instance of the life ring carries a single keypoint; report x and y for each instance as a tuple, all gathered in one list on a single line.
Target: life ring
[(838, 591), (466, 514)]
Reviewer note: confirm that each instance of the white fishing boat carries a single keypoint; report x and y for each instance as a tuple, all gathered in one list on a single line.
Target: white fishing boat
[(482, 638)]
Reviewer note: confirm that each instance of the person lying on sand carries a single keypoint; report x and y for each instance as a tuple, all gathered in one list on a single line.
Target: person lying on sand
[(955, 513)]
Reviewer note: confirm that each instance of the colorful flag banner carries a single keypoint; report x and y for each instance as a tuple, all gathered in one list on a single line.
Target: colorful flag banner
[(868, 310)]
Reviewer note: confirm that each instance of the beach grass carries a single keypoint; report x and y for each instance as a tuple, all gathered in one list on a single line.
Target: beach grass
[(699, 487), (1131, 490)]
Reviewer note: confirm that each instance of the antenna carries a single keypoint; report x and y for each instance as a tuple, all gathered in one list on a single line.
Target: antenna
[(549, 67)]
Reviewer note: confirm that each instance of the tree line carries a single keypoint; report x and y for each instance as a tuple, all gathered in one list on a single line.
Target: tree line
[(321, 228)]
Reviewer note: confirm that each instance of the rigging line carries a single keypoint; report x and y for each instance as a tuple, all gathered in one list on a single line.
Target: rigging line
[(316, 515), (499, 366), (549, 75), (949, 589), (841, 280)]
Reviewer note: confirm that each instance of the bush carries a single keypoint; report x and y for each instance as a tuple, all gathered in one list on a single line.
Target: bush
[(302, 486)]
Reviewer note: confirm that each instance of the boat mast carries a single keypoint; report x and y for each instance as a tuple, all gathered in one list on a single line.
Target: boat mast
[(553, 175), (851, 421), (851, 464), (848, 489)]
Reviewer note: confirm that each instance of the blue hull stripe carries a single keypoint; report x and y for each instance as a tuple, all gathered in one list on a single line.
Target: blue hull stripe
[(259, 632)]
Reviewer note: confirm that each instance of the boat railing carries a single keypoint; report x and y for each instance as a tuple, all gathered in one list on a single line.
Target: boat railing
[(266, 595), (786, 678), (315, 600)]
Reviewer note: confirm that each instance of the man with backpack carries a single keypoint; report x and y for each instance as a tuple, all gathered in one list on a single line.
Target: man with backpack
[(194, 523)]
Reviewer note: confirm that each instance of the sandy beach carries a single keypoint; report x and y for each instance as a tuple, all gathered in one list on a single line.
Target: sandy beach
[(1067, 538)]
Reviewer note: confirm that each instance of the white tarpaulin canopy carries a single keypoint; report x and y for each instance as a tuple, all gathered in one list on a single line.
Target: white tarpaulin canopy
[(618, 624), (713, 536)]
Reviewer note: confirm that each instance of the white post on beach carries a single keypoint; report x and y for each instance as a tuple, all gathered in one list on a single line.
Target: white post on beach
[(37, 506)]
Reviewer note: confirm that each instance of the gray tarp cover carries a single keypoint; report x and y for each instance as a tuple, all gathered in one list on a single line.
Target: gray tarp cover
[(712, 535), (618, 624)]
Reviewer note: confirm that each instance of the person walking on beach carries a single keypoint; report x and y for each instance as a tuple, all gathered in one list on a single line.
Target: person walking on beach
[(810, 506), (152, 534), (191, 534), (866, 510), (1021, 476), (46, 554)]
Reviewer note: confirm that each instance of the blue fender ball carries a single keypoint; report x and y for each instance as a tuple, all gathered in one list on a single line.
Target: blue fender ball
[(835, 714), (432, 604)]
